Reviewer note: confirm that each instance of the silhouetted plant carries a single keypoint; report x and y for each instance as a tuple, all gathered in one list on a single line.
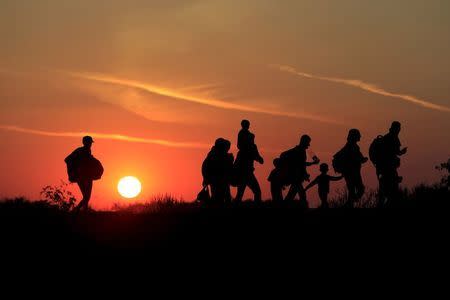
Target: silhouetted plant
[(59, 195), (158, 203), (445, 181)]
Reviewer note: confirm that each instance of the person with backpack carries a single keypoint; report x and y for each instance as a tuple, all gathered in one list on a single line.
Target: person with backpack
[(244, 169), (83, 168), (293, 164), (385, 152), (217, 169), (348, 161)]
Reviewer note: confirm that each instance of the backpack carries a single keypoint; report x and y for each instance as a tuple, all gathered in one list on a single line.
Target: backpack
[(338, 161), (287, 157), (376, 150), (72, 169), (208, 168), (91, 169), (288, 170), (71, 173), (95, 169)]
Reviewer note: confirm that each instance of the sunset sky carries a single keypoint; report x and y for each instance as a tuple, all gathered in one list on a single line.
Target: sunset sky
[(156, 82)]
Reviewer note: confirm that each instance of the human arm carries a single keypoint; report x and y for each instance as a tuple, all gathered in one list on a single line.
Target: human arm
[(315, 161), (363, 159), (336, 178), (398, 147), (313, 183), (258, 157)]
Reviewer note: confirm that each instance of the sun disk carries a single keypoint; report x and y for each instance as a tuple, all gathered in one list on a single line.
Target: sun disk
[(129, 187)]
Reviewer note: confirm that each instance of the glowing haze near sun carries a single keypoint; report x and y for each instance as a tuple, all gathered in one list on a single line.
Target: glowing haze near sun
[(129, 187)]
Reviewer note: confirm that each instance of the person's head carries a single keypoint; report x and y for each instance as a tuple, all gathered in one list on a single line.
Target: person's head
[(305, 141), (276, 162), (87, 141), (323, 168), (245, 124), (354, 136), (226, 145), (395, 127), (219, 143), (222, 145)]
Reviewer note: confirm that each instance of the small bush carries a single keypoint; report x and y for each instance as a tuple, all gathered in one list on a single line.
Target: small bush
[(445, 167), (59, 196)]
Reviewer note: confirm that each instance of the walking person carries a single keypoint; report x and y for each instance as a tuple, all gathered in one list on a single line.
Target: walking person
[(216, 171), (323, 183), (349, 161), (293, 164), (244, 166), (83, 168), (276, 181), (385, 152)]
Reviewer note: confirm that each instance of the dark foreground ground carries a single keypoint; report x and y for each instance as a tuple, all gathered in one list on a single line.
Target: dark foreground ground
[(223, 251), (249, 247), (189, 230)]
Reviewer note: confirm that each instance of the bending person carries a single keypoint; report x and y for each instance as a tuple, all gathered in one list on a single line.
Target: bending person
[(216, 171)]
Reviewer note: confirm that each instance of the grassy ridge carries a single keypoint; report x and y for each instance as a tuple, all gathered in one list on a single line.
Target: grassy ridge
[(170, 226)]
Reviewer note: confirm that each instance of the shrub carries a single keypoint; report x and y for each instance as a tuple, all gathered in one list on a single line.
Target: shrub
[(59, 196), (445, 167)]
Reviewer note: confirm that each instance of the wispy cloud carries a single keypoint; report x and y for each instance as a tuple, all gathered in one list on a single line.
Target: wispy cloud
[(106, 136), (183, 96), (366, 87)]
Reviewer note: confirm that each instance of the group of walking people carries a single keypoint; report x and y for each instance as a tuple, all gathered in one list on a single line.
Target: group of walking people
[(221, 171)]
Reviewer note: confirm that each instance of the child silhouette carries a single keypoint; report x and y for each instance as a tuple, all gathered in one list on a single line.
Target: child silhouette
[(275, 179), (323, 181)]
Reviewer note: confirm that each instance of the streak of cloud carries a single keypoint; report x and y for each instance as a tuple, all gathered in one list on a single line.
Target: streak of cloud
[(366, 87), (183, 96), (106, 136)]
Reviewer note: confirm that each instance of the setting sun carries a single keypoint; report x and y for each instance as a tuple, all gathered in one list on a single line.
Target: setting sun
[(129, 187)]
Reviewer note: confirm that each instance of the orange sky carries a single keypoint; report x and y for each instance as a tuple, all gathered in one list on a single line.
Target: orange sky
[(156, 82)]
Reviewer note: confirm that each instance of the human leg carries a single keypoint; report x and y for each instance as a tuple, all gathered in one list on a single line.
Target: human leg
[(323, 199), (86, 191), (253, 184), (240, 192), (293, 190), (276, 191), (350, 190), (359, 186)]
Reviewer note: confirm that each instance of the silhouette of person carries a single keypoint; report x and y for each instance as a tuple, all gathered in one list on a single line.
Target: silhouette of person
[(294, 166), (276, 181), (78, 162), (353, 160), (389, 163), (323, 183), (216, 171), (245, 137), (244, 168)]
